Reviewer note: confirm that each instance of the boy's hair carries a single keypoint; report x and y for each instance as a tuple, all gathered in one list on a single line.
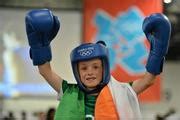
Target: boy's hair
[(90, 51)]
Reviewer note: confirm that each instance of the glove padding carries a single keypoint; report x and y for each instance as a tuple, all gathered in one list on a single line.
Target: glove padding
[(157, 29), (41, 28)]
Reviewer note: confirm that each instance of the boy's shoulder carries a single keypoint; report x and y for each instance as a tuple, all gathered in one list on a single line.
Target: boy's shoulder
[(66, 84)]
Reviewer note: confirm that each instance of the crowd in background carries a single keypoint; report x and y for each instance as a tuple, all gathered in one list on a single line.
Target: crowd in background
[(40, 115), (171, 114)]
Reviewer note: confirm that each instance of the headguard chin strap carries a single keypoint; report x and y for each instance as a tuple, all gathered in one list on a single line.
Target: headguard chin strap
[(90, 51)]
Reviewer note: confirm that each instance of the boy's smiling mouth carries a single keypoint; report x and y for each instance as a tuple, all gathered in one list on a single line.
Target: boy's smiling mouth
[(91, 78)]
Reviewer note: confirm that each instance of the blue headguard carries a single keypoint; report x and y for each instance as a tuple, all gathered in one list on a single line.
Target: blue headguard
[(89, 51)]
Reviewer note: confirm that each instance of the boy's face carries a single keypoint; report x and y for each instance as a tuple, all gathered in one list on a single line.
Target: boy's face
[(90, 72)]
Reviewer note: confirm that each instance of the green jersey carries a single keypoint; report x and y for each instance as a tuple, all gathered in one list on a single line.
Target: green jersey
[(90, 101)]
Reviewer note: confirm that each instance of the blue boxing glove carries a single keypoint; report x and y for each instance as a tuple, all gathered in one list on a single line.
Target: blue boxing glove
[(41, 28), (157, 29)]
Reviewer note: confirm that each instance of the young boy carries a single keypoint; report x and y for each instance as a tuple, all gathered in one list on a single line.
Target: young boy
[(97, 95)]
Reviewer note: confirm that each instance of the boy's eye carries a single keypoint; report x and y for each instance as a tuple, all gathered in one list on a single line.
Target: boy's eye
[(83, 68), (96, 67)]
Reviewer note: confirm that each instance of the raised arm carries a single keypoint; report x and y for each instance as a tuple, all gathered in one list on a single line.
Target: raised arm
[(41, 28), (50, 76), (157, 29), (143, 83)]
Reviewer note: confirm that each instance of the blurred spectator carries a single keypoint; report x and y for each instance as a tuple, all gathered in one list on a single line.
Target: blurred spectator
[(159, 117), (50, 114), (169, 115), (23, 115), (173, 115), (5, 118), (40, 115), (11, 116)]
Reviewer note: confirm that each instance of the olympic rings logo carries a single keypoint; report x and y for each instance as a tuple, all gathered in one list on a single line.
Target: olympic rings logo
[(86, 51)]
